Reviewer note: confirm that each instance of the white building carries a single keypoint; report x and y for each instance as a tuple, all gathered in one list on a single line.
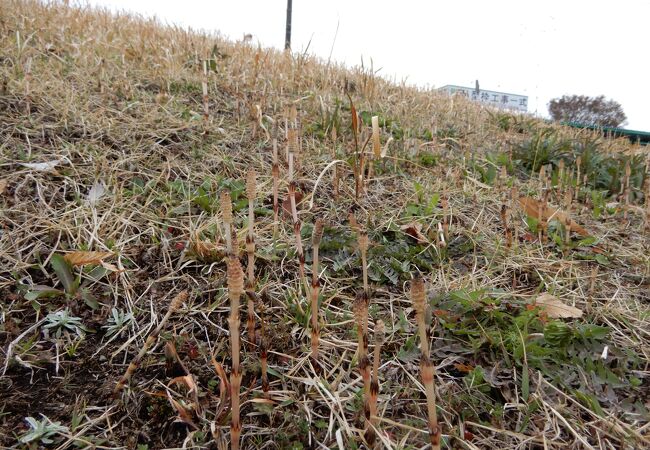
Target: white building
[(496, 99)]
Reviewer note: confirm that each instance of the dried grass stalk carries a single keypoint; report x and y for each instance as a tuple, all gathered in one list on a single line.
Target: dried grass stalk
[(376, 144), (317, 235), (626, 189), (647, 203), (28, 88), (204, 86), (444, 202), (275, 172), (264, 347), (175, 304), (506, 225)]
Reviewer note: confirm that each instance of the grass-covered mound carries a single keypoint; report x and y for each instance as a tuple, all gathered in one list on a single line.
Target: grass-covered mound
[(115, 172)]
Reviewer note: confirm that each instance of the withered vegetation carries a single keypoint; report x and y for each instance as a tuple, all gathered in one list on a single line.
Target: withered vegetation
[(142, 163)]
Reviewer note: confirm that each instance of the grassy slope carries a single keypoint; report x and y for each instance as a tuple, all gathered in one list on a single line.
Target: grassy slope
[(117, 102)]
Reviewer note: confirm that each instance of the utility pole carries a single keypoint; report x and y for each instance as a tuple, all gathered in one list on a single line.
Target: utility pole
[(287, 36)]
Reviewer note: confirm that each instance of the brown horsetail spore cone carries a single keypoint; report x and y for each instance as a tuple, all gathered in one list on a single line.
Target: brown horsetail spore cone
[(175, 304), (374, 383), (427, 371), (418, 297), (251, 192), (226, 212), (293, 145), (235, 279), (316, 237), (363, 248)]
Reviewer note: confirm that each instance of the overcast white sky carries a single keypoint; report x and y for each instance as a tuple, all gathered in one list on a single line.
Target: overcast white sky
[(543, 49)]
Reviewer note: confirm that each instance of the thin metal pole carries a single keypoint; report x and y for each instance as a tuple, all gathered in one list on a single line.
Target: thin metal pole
[(287, 36)]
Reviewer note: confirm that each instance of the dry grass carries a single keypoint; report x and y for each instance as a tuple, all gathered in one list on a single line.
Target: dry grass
[(109, 145)]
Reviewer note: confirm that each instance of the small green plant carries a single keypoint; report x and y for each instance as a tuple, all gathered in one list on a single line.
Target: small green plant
[(63, 321), (428, 160), (543, 148), (42, 431), (72, 285), (72, 346), (117, 322)]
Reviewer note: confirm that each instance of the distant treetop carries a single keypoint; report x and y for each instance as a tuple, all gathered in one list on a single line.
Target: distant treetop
[(586, 110)]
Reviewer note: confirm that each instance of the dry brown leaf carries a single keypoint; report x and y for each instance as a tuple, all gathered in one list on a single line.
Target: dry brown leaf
[(224, 387), (187, 380), (3, 185), (533, 208), (554, 308), (286, 205), (80, 258), (414, 230), (111, 267), (183, 414), (206, 251), (355, 117)]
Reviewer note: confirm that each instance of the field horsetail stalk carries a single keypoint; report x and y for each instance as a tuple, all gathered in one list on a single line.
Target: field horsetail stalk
[(361, 319), (317, 235), (296, 222), (373, 419), (275, 172), (204, 88), (363, 248), (175, 304), (251, 179), (427, 371), (235, 280)]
